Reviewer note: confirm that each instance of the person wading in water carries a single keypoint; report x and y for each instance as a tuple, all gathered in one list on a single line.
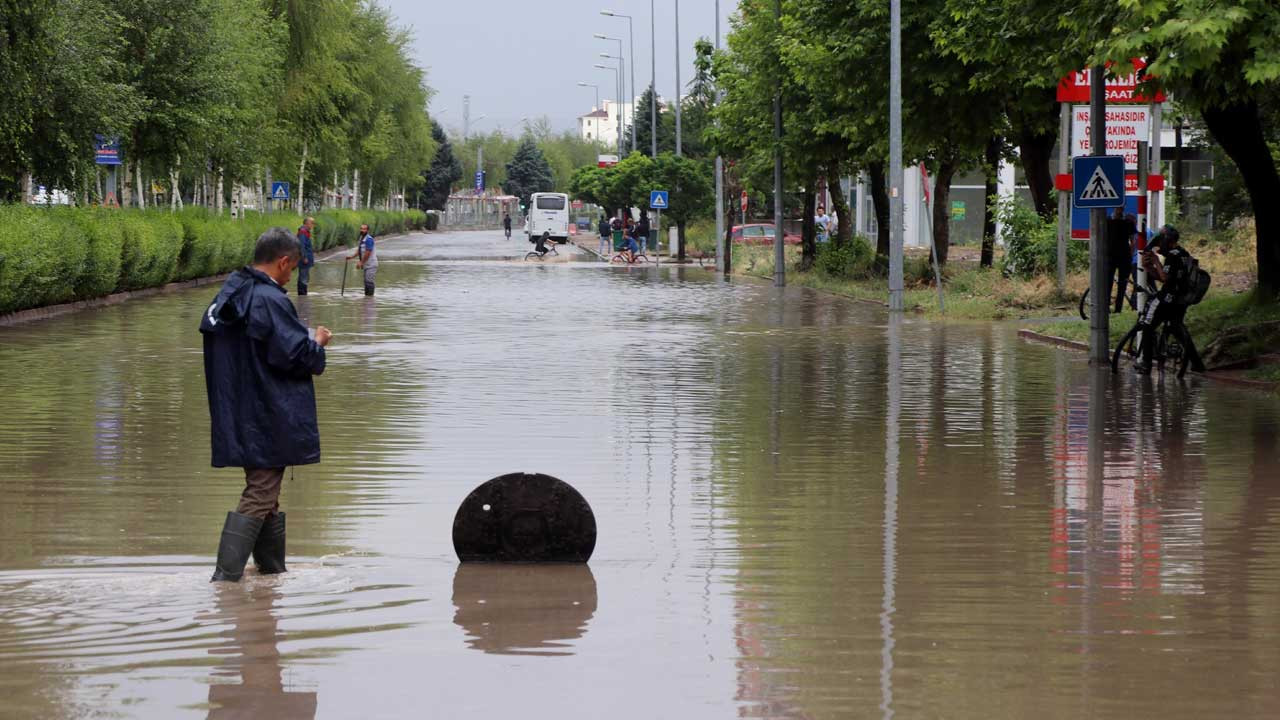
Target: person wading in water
[(258, 364)]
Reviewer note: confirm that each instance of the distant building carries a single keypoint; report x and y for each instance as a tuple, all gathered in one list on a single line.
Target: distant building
[(601, 124)]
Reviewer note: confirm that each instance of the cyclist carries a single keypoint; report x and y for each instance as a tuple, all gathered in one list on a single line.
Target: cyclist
[(540, 246), (506, 225), (629, 244), (1174, 274)]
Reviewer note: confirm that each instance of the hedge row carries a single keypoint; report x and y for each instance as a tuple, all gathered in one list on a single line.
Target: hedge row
[(56, 255)]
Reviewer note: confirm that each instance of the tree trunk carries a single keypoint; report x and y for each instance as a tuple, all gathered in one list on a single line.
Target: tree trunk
[(355, 190), (1036, 137), (1238, 129), (138, 186), (991, 166), (942, 209), (880, 199), (97, 179), (218, 197), (368, 195), (302, 176), (808, 230), (680, 225), (1178, 177), (844, 230), (175, 201)]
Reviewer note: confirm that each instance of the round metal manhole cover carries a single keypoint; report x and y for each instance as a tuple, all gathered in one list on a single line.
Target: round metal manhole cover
[(524, 517)]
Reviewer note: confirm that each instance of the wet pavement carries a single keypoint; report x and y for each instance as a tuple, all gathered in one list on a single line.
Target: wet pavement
[(790, 524)]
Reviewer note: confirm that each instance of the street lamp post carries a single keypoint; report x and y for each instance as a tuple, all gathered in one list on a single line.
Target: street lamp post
[(631, 32), (720, 244), (617, 79), (653, 80), (597, 87), (895, 156), (679, 88), (622, 65)]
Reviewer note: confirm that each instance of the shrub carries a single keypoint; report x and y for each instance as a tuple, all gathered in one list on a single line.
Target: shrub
[(1031, 244), (102, 235), (152, 247), (432, 221), (854, 260), (41, 257)]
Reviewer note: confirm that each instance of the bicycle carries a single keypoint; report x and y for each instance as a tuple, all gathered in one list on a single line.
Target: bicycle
[(507, 232), (534, 254), (1131, 296), (624, 258), (1173, 345)]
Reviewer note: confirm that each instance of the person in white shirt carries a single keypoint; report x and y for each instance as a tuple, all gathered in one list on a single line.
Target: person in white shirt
[(822, 222)]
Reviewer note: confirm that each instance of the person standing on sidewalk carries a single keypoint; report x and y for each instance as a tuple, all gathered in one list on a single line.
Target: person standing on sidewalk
[(308, 254), (258, 366), (366, 259), (605, 231), (642, 231)]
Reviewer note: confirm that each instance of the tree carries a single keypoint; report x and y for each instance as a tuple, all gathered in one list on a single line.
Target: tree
[(644, 123), (690, 191), (528, 172), (445, 170)]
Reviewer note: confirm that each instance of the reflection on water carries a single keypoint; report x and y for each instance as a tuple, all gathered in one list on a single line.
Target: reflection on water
[(250, 682), (807, 509), (523, 609)]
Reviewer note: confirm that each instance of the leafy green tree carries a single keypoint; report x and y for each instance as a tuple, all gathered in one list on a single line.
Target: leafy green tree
[(690, 190), (445, 170), (644, 125), (528, 172)]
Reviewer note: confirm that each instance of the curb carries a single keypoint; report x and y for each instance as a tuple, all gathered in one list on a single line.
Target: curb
[(1216, 375), (51, 311)]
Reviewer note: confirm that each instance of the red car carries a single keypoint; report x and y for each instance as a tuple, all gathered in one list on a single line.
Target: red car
[(760, 234)]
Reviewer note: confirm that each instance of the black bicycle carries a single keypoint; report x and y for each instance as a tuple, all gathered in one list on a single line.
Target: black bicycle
[(535, 255), (1131, 296), (1173, 347)]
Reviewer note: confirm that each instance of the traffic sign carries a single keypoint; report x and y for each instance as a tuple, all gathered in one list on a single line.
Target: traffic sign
[(1098, 181), (106, 151), (279, 190), (658, 200), (743, 202)]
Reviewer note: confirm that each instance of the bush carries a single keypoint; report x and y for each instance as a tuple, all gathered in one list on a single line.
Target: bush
[(103, 236), (1031, 244), (152, 246), (853, 261), (432, 221), (40, 258)]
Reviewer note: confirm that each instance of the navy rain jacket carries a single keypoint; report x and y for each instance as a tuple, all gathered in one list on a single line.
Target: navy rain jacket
[(258, 365)]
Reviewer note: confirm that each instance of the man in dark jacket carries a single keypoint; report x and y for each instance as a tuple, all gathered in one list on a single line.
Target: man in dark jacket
[(308, 254), (258, 365), (1120, 231)]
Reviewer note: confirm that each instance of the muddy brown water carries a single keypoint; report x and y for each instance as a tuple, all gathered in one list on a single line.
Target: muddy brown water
[(790, 524)]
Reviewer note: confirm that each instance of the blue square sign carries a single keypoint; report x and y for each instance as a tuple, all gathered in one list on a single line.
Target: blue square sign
[(279, 191), (658, 200), (1097, 181)]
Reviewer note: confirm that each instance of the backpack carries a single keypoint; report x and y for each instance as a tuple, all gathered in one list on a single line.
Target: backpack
[(1194, 285)]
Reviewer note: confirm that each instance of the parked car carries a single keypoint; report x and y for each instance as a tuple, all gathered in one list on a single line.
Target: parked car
[(760, 234)]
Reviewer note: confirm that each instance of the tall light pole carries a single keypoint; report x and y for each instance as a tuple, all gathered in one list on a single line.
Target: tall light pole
[(631, 32), (679, 87), (617, 73), (622, 86), (720, 245), (597, 87), (653, 80), (895, 156), (779, 251)]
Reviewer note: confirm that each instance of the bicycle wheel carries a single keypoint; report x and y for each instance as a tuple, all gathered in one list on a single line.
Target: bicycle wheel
[(1084, 305), (532, 256), (1115, 356), (618, 259), (641, 259)]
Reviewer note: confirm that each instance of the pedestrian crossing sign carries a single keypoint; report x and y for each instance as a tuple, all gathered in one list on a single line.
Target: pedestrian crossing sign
[(658, 200), (1098, 181), (279, 191)]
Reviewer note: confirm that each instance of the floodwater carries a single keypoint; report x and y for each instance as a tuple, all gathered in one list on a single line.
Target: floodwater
[(806, 510)]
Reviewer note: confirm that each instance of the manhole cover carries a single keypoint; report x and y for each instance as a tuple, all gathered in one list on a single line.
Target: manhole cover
[(524, 517)]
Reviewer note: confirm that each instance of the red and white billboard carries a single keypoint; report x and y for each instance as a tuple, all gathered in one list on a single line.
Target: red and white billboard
[(1074, 88)]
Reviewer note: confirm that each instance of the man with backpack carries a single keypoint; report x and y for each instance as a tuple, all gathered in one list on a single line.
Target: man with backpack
[(1182, 284)]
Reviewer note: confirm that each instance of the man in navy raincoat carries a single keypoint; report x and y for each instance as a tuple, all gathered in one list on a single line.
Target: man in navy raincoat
[(258, 363)]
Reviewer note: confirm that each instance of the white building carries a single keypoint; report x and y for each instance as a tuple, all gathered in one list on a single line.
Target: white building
[(601, 124)]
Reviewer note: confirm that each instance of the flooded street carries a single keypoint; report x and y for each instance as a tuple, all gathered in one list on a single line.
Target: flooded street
[(790, 525)]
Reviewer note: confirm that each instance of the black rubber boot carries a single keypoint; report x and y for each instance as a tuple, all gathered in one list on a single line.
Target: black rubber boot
[(268, 553), (239, 534), (302, 289), (368, 289)]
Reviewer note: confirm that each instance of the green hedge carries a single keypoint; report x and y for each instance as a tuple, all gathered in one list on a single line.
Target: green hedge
[(55, 255)]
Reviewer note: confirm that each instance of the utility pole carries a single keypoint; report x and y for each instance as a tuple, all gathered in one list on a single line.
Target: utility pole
[(653, 81), (1064, 202), (1099, 320), (466, 117), (779, 251), (895, 156), (720, 244), (679, 87)]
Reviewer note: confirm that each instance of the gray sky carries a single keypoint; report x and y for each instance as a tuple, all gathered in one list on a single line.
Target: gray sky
[(518, 58)]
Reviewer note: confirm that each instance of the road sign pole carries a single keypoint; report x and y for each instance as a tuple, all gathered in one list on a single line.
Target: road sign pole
[(1099, 320), (1064, 200), (657, 238)]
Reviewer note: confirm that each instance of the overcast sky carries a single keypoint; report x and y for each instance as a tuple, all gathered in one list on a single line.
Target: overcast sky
[(518, 58)]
